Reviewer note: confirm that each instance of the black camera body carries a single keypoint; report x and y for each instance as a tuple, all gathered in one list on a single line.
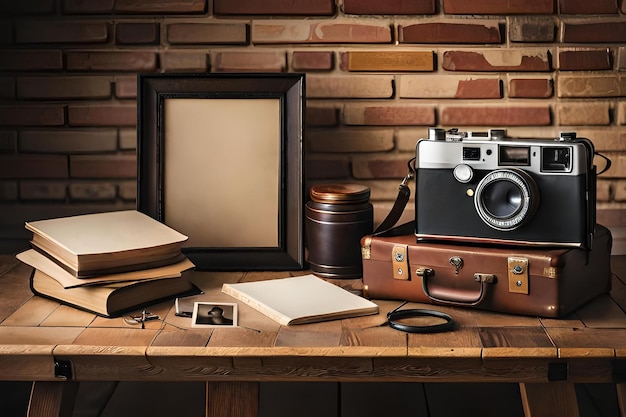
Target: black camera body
[(488, 188)]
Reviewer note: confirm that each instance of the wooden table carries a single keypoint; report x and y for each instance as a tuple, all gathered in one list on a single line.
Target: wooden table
[(56, 346)]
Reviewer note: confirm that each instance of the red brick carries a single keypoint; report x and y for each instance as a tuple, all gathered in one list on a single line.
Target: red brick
[(498, 7), (585, 60), (125, 86), (530, 88), (589, 113), (31, 60), (43, 190), (376, 86), (93, 191), (321, 116), (587, 7), (103, 166), (591, 86), (495, 116), (56, 31), (353, 140), (531, 29), (389, 115), (174, 61), (328, 32), (447, 32), (250, 61), (160, 6), (208, 33), (496, 60), (102, 115), (274, 7), (33, 166), (449, 86), (137, 33), (134, 61), (32, 115), (377, 7), (317, 168), (312, 60), (88, 6), (596, 32), (27, 7), (68, 141), (389, 61), (379, 167), (7, 87), (64, 87)]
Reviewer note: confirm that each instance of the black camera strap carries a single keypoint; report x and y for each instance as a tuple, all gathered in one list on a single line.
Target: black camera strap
[(388, 226)]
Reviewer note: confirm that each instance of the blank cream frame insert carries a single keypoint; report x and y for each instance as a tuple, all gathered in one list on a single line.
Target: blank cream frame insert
[(221, 173)]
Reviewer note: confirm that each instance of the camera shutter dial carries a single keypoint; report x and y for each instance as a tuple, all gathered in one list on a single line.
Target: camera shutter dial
[(463, 173), (506, 198)]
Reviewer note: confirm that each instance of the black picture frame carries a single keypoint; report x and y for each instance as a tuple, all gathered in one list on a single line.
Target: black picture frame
[(163, 101)]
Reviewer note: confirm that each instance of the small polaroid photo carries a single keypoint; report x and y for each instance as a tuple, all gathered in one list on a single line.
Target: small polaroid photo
[(208, 314)]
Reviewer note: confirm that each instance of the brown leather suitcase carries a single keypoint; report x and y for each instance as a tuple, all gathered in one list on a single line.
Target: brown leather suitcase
[(529, 281)]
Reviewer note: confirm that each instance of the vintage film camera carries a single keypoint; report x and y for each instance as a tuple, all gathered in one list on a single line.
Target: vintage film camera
[(489, 188)]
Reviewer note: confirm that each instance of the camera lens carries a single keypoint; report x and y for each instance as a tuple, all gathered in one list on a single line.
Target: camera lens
[(506, 198)]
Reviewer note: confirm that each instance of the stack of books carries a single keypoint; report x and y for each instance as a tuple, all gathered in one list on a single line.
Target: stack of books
[(107, 263)]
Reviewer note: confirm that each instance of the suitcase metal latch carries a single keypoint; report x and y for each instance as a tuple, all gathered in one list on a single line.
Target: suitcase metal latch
[(400, 262), (518, 275)]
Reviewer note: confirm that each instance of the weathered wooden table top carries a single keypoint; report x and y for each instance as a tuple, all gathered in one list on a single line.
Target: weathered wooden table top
[(35, 334)]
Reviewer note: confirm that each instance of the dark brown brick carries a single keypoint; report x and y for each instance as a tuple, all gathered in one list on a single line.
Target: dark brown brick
[(125, 86), (379, 167), (496, 60), (317, 168), (43, 190), (8, 190), (336, 31), (102, 115), (31, 60), (64, 87), (322, 116), (376, 7), (585, 60), (127, 190), (8, 141), (208, 33), (312, 60), (103, 166), (88, 7), (531, 29), (134, 61), (621, 56), (350, 141), (57, 31), (68, 141), (6, 31), (251, 61), (7, 87), (33, 166), (495, 116), (596, 32), (530, 88), (498, 7), (93, 191), (587, 7), (137, 33), (161, 6), (274, 7), (175, 61), (446, 32), (32, 115), (389, 115), (387, 61)]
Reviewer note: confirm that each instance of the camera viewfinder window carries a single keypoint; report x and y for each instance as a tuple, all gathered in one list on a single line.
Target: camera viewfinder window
[(514, 155), (556, 159)]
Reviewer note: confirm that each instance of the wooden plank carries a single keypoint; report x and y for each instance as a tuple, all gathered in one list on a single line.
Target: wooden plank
[(20, 335), (314, 334), (14, 287), (232, 399), (68, 317), (549, 400), (27, 362), (598, 338), (602, 312), (52, 399), (32, 313)]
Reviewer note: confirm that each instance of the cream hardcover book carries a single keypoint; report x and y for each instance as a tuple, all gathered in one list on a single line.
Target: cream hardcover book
[(109, 242), (299, 300)]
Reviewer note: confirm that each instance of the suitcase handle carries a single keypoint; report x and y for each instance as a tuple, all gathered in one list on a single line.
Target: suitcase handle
[(458, 299)]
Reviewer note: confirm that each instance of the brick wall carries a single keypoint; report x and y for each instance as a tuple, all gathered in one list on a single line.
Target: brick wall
[(379, 73)]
